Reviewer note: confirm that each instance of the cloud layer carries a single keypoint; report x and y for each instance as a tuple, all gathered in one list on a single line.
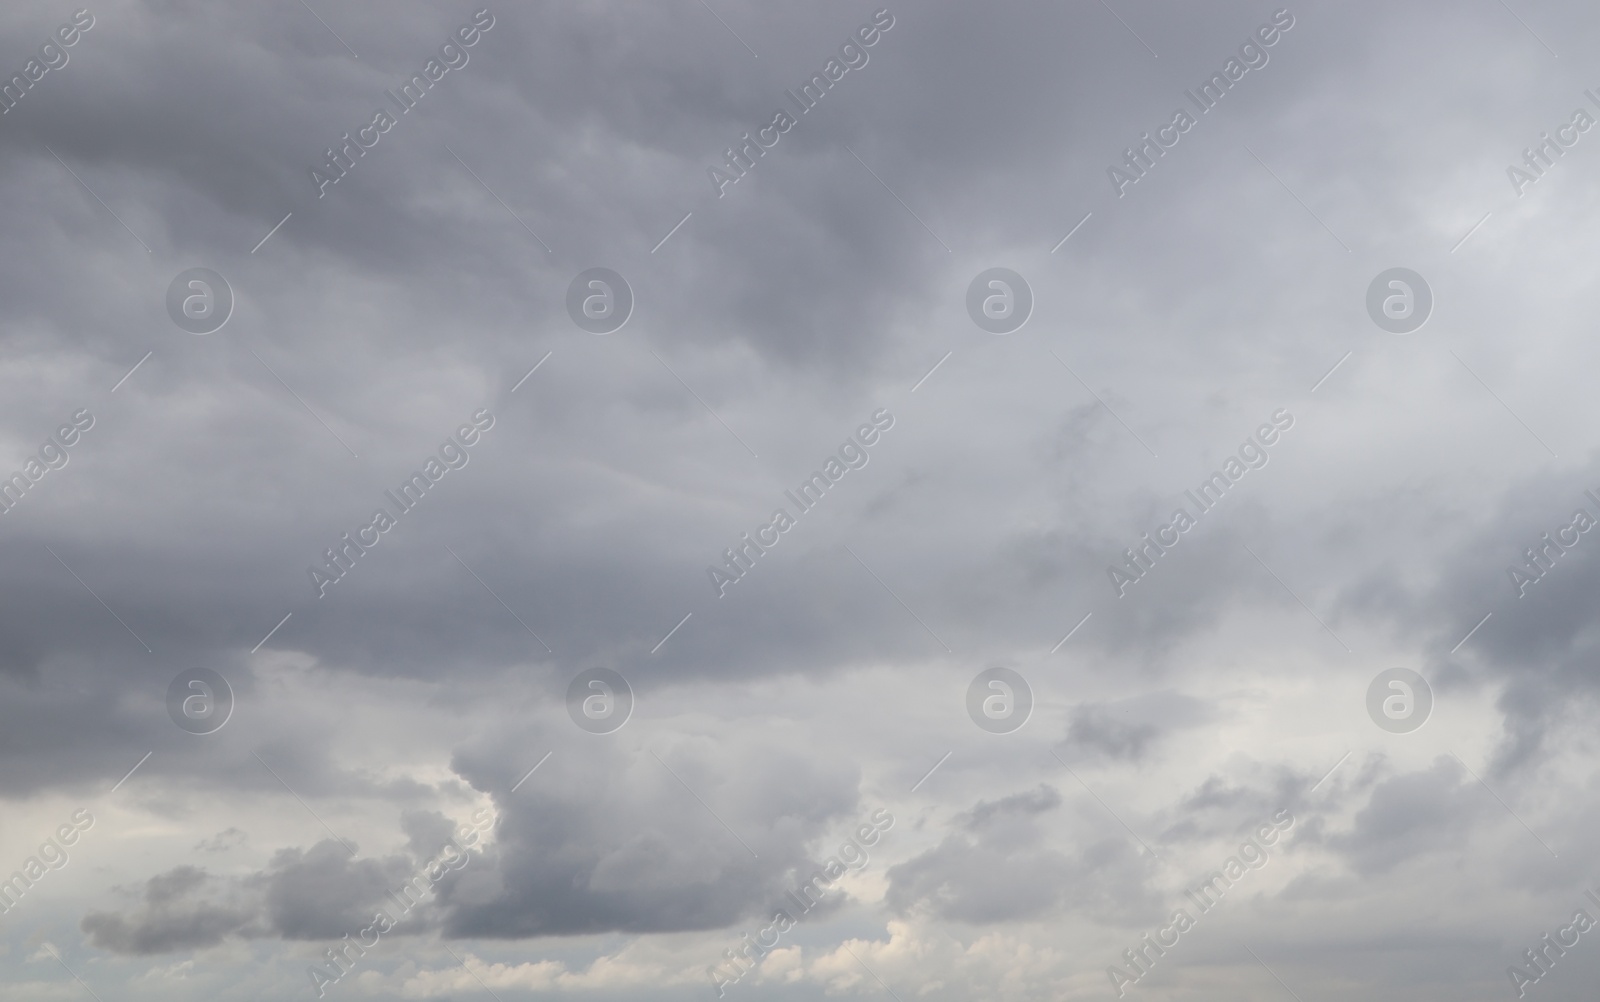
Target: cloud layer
[(418, 323)]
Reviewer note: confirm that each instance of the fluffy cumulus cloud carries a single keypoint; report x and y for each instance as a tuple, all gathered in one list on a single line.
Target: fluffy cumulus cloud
[(519, 499)]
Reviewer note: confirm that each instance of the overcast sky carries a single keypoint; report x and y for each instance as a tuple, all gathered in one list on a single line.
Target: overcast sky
[(1019, 743)]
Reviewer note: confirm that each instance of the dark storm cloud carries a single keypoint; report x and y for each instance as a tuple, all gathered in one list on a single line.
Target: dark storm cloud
[(809, 218), (694, 101), (742, 271), (614, 842), (645, 857)]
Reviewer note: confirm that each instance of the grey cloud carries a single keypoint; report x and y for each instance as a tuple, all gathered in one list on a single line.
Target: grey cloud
[(617, 844), (181, 912), (314, 894), (1001, 868), (1126, 729), (1413, 815)]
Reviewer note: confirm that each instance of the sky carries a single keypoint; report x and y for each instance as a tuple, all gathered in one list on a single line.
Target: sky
[(576, 501)]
